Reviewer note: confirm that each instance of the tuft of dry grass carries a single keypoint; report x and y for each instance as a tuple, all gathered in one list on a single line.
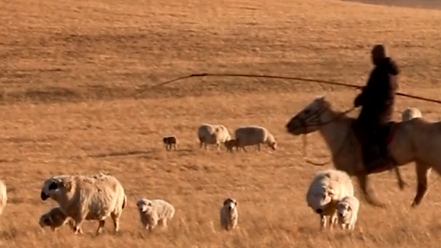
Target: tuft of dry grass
[(75, 98)]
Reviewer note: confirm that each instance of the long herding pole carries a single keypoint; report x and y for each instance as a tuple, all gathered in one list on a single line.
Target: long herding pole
[(286, 78)]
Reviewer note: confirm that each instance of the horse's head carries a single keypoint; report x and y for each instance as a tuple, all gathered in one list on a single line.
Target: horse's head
[(309, 119)]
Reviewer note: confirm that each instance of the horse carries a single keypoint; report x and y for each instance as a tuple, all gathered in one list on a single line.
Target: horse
[(415, 140)]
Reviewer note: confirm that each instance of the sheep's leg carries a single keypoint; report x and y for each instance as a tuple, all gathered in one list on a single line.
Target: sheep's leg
[(322, 222), (333, 221), (218, 146), (78, 220), (153, 224), (163, 223), (258, 147), (100, 227), (115, 219)]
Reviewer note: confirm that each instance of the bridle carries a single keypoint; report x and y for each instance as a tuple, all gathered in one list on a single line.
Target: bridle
[(314, 120)]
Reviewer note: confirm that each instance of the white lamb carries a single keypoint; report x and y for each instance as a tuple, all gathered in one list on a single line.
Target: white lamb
[(410, 113), (3, 196), (347, 211), (327, 188), (154, 212), (254, 135), (94, 197), (55, 219), (209, 134), (229, 215)]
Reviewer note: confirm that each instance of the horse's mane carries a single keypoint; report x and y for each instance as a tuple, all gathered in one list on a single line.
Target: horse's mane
[(329, 106)]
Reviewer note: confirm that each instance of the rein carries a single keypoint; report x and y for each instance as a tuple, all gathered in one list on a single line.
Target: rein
[(317, 122)]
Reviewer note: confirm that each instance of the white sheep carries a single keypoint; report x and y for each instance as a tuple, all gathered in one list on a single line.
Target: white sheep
[(410, 113), (94, 197), (347, 210), (3, 196), (327, 188), (154, 212), (209, 134), (229, 214), (55, 218), (254, 135)]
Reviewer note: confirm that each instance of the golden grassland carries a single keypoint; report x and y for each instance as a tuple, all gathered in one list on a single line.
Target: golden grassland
[(75, 98)]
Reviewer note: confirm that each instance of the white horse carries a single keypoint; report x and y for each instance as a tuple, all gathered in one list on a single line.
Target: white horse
[(415, 140)]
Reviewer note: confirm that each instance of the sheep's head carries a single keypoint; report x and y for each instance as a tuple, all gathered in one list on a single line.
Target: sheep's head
[(273, 145), (343, 210), (230, 204), (144, 205), (321, 199), (45, 220), (55, 186)]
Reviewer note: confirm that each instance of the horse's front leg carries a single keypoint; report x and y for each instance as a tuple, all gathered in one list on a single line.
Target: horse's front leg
[(364, 185), (401, 183), (423, 173)]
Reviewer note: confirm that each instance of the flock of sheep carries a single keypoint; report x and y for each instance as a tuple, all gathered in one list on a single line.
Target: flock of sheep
[(209, 134), (97, 197)]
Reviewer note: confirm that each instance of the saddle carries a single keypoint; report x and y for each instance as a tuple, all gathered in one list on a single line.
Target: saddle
[(385, 133)]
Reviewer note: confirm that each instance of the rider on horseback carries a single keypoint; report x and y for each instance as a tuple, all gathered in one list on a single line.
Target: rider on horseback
[(377, 100)]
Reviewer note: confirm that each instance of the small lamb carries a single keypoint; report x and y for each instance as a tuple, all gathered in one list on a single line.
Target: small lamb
[(229, 214), (170, 142), (55, 219), (230, 144), (154, 212), (347, 210)]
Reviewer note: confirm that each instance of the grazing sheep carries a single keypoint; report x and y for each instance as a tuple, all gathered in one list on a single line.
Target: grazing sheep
[(327, 188), (3, 196), (170, 142), (55, 219), (94, 197), (347, 210), (212, 134), (154, 212), (229, 214), (410, 113), (254, 135), (230, 144)]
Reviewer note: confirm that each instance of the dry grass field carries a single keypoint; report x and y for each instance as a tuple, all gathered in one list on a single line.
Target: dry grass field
[(75, 99)]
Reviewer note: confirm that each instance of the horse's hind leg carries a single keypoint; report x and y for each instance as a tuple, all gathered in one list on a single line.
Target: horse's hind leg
[(364, 183), (423, 173)]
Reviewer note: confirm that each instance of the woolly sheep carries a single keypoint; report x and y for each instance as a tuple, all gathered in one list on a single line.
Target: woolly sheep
[(213, 135), (347, 210), (154, 212), (94, 197), (170, 142), (230, 144), (55, 219), (327, 188), (410, 113), (229, 214), (254, 135), (3, 196)]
